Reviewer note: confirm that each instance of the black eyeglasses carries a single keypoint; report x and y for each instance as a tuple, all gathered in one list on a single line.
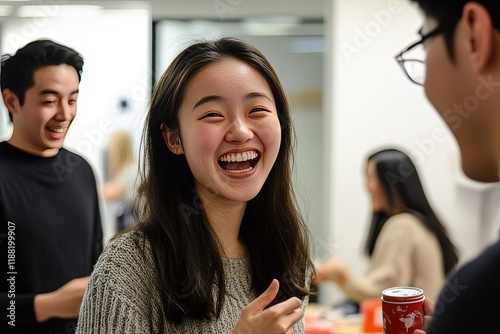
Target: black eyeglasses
[(415, 68)]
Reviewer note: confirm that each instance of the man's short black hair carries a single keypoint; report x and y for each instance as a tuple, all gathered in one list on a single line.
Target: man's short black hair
[(443, 11), (17, 71)]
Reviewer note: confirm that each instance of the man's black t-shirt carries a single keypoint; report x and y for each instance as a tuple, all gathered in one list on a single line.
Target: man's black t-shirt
[(51, 232), (469, 301)]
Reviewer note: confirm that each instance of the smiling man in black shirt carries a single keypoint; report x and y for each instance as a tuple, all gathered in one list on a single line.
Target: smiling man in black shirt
[(51, 231)]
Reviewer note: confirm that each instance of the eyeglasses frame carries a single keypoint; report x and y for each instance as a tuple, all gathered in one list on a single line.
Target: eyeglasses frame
[(440, 29)]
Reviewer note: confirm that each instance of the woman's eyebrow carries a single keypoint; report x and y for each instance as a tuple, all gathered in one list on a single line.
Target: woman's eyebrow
[(210, 98), (207, 99), (256, 95)]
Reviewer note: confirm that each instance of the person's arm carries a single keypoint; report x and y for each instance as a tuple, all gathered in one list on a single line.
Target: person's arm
[(63, 303), (112, 191), (390, 264), (120, 186)]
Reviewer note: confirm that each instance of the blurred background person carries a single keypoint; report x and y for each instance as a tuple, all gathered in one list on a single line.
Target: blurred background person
[(406, 244), (120, 187)]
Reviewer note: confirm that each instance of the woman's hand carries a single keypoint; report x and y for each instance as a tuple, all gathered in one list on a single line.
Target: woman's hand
[(332, 270), (277, 319), (429, 311)]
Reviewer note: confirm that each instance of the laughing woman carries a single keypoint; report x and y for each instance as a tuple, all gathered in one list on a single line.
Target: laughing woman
[(220, 246)]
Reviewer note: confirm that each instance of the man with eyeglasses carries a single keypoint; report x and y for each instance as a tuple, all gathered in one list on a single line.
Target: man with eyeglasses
[(462, 68)]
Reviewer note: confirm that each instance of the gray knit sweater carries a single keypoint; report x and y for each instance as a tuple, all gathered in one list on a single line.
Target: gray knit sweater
[(121, 295)]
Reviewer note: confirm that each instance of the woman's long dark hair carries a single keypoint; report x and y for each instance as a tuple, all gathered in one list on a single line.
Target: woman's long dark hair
[(186, 252), (399, 179)]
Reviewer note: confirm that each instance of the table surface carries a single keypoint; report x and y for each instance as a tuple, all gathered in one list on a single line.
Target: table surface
[(322, 320)]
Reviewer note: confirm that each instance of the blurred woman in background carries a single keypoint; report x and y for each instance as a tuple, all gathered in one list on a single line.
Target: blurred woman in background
[(407, 244), (120, 188)]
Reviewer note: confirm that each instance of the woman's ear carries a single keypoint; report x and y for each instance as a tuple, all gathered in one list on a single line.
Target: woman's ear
[(172, 139)]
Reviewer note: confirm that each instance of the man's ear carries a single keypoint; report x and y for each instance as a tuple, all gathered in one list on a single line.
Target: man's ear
[(10, 100), (172, 139), (484, 40)]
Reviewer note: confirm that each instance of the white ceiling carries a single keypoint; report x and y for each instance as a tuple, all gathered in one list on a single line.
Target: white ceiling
[(236, 8), (213, 9)]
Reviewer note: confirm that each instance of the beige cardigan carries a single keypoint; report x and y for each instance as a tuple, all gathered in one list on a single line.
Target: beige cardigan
[(122, 298), (406, 253)]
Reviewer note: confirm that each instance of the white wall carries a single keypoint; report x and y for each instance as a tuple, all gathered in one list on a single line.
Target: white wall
[(373, 104), (117, 66)]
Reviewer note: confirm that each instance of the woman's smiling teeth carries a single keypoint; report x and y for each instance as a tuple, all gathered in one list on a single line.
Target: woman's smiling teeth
[(57, 129), (239, 162), (239, 157)]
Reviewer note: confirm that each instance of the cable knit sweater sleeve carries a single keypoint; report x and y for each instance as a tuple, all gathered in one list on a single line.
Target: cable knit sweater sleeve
[(406, 253), (110, 304)]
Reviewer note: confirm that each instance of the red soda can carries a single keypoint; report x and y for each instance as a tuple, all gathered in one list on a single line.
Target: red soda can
[(402, 309)]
